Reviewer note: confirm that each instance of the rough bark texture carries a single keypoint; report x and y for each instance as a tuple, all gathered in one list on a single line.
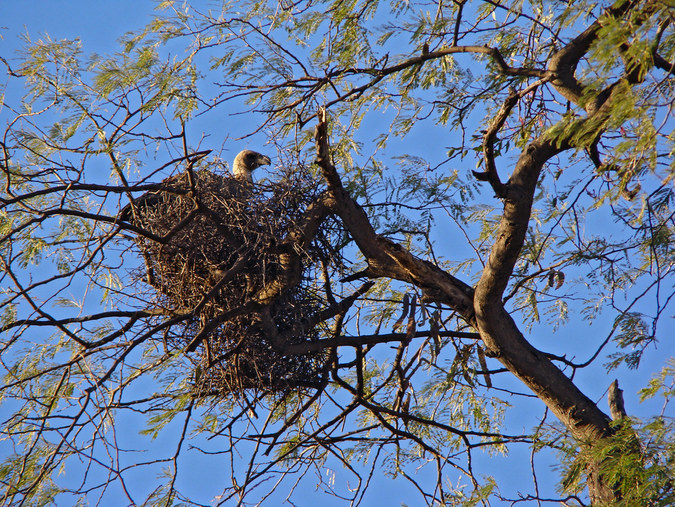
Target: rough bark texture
[(483, 307), (615, 400), (386, 258)]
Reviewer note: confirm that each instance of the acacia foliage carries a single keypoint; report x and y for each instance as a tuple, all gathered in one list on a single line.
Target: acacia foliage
[(418, 95)]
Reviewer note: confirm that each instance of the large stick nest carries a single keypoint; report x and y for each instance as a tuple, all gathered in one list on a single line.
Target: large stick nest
[(213, 245)]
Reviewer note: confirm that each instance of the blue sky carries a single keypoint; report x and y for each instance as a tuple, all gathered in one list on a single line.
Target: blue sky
[(97, 23)]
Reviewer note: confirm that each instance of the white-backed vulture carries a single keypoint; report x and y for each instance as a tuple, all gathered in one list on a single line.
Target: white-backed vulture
[(243, 166)]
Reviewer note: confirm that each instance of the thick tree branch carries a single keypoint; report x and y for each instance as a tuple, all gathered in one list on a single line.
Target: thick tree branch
[(296, 242), (499, 332), (372, 339), (615, 401), (563, 64), (489, 137), (386, 258), (663, 64)]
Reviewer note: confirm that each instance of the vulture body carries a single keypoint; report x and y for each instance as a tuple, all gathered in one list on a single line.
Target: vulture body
[(243, 166)]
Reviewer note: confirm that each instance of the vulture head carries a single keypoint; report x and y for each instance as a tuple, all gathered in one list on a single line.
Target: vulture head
[(245, 162)]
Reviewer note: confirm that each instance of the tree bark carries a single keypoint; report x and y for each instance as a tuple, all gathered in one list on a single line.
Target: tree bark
[(482, 308)]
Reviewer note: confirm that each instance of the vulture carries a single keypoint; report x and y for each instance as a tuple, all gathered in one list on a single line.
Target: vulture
[(243, 166), (246, 162)]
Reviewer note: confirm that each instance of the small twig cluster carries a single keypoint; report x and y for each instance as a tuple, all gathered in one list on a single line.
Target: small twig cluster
[(215, 251)]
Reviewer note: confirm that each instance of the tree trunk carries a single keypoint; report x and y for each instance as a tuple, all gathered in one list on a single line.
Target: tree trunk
[(483, 308)]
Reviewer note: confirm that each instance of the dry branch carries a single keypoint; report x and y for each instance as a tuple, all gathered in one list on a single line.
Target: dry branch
[(237, 260)]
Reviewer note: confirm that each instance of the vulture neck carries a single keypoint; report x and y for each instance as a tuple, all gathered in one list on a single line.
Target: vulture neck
[(243, 175)]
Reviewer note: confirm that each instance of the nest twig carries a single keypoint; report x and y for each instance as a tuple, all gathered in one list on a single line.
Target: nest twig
[(212, 244)]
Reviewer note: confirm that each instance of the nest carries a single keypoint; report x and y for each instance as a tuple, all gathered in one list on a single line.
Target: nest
[(213, 244)]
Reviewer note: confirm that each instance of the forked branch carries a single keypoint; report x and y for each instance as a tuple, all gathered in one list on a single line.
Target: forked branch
[(386, 258)]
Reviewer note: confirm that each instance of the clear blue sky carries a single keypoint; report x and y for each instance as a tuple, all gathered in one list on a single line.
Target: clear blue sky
[(97, 23)]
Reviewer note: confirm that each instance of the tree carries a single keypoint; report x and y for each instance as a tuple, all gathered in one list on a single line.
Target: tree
[(564, 112)]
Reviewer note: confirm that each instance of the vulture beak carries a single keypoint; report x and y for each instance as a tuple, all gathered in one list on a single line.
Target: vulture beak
[(263, 160)]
